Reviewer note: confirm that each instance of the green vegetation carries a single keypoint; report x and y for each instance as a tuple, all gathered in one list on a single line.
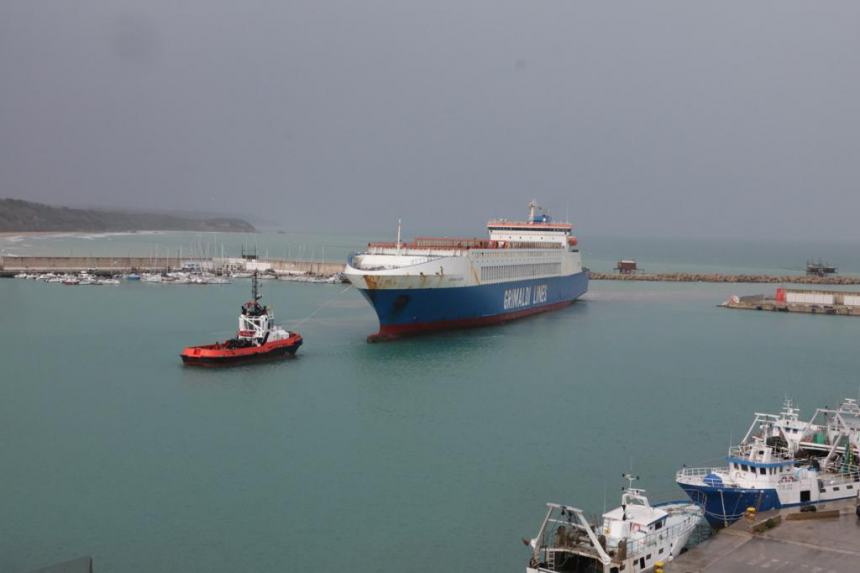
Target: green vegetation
[(24, 216)]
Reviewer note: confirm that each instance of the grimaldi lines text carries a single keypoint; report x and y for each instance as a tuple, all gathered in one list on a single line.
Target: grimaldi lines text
[(523, 268)]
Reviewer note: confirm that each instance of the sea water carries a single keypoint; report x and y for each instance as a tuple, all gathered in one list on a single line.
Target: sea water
[(428, 454)]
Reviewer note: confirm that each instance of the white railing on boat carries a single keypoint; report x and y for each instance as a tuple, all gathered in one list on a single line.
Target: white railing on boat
[(640, 546), (698, 472), (634, 547), (744, 451)]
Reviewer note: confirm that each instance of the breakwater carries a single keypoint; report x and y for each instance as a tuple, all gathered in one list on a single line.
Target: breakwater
[(116, 265), (726, 278)]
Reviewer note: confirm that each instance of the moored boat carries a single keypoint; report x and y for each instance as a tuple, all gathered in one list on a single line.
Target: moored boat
[(782, 461), (257, 339), (633, 537)]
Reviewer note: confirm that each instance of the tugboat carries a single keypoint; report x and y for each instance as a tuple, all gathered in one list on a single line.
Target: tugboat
[(632, 538), (257, 339)]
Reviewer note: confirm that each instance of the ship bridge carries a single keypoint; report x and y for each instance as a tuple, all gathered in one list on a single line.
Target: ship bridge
[(538, 231)]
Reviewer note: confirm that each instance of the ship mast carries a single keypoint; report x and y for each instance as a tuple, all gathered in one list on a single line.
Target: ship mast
[(398, 236), (255, 287)]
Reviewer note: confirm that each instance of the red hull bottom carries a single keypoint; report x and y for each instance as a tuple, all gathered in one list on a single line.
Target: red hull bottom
[(395, 331), (217, 355)]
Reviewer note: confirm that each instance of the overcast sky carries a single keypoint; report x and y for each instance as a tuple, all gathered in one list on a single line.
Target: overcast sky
[(639, 119)]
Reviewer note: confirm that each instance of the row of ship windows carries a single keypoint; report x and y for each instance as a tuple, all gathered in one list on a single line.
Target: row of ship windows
[(519, 271), (517, 253), (763, 471)]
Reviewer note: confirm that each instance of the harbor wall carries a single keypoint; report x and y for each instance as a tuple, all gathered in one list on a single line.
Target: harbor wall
[(322, 268), (727, 278), (12, 265), (75, 264)]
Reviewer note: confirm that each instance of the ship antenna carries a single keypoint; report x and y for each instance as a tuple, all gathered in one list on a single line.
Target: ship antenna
[(398, 235), (255, 287), (630, 479)]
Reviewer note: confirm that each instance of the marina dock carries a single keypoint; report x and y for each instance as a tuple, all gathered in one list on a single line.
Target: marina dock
[(9, 266), (827, 540)]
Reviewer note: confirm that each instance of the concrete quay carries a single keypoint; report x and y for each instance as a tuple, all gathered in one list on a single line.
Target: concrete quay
[(826, 541), (726, 278), (774, 306)]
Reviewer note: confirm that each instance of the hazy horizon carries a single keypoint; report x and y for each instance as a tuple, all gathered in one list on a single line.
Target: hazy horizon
[(665, 119)]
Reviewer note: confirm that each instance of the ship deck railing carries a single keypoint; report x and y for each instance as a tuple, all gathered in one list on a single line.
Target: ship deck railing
[(464, 244), (777, 453), (686, 472), (844, 473), (655, 538), (634, 546), (836, 470)]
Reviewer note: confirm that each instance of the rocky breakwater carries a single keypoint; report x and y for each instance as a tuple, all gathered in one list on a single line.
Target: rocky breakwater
[(726, 278)]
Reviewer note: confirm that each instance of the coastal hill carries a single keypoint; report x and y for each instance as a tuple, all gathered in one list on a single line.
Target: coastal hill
[(17, 215)]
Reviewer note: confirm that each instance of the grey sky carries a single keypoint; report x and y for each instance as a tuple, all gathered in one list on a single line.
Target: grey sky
[(643, 118)]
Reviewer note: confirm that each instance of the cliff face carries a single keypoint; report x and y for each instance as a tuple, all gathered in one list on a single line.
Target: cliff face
[(23, 216)]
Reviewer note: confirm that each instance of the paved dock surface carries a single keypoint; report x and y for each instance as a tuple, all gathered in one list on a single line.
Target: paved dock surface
[(826, 545), (775, 306)]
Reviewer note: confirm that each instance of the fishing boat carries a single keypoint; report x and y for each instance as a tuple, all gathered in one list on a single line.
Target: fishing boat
[(431, 284), (631, 538), (257, 339), (782, 461)]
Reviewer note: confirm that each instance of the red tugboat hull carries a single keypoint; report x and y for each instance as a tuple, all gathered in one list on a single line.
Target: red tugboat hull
[(219, 354)]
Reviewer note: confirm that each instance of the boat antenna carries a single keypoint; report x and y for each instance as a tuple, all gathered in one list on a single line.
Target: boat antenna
[(255, 287), (630, 479), (399, 221)]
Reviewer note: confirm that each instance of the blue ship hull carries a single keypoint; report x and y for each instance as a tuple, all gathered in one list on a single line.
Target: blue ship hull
[(411, 311), (723, 506)]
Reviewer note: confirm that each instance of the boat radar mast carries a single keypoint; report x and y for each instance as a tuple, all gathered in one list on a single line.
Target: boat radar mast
[(630, 479), (255, 287), (537, 214)]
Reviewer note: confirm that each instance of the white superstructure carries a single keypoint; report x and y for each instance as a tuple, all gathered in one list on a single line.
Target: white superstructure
[(630, 538), (515, 250)]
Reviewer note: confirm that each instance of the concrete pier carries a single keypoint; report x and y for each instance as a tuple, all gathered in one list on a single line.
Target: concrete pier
[(761, 303), (826, 541)]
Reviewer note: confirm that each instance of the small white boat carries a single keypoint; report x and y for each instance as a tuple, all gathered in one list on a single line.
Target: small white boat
[(631, 538)]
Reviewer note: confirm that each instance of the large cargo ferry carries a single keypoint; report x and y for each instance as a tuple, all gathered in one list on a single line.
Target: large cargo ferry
[(525, 267)]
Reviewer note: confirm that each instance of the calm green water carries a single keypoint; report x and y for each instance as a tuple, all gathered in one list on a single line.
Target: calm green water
[(433, 454)]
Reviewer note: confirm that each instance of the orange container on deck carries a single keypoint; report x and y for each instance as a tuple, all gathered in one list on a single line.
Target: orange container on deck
[(780, 295)]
